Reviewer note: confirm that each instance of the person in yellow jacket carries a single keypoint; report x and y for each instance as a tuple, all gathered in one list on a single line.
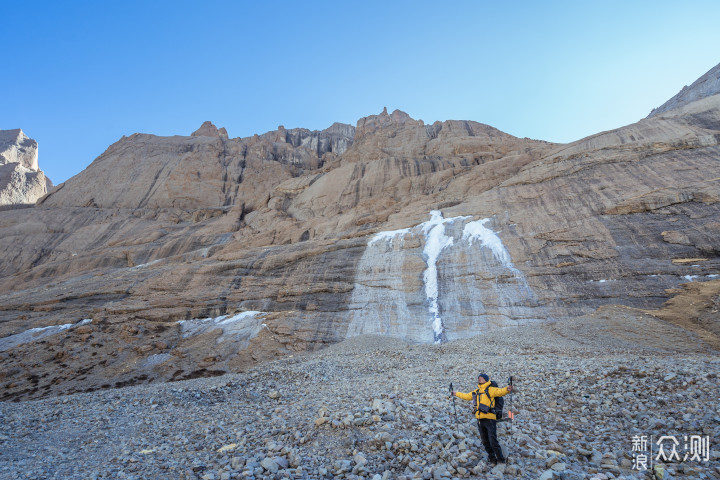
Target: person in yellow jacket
[(485, 396)]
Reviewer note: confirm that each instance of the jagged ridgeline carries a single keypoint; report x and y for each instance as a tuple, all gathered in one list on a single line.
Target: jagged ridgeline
[(185, 256)]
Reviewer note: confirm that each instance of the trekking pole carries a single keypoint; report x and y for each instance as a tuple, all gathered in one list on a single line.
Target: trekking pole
[(511, 414), (452, 394)]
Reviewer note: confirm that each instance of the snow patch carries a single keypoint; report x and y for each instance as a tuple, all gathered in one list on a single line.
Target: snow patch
[(388, 237), (35, 334), (239, 327), (692, 278), (143, 265), (154, 360), (476, 231)]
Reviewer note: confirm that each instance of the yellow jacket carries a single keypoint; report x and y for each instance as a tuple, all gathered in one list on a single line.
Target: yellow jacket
[(484, 399)]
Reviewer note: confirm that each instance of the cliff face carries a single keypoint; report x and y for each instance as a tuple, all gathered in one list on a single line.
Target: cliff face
[(198, 255), (21, 180)]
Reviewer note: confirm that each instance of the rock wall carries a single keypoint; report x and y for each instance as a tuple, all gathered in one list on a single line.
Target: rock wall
[(425, 232)]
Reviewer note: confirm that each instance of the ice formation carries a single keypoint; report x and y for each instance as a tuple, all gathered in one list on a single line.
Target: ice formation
[(381, 287)]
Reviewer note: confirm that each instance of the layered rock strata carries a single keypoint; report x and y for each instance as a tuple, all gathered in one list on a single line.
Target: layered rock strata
[(426, 232)]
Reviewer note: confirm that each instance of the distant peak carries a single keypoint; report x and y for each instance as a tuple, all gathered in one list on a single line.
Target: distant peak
[(397, 115), (373, 122), (705, 86), (16, 147), (207, 129), (401, 117), (16, 134)]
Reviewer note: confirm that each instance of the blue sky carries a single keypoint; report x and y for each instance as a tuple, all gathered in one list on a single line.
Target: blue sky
[(79, 75)]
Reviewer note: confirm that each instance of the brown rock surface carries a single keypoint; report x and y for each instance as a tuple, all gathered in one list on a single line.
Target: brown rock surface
[(207, 129), (290, 224)]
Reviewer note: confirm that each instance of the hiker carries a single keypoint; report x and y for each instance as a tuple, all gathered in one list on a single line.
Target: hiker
[(484, 397)]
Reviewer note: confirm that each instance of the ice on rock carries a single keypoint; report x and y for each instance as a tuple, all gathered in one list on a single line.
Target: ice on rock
[(241, 327), (35, 334), (460, 284), (435, 242)]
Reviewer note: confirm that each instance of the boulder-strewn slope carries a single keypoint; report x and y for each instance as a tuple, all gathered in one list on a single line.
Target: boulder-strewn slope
[(377, 407), (425, 232), (21, 180)]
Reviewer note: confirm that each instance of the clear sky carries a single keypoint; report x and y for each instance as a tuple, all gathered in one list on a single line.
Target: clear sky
[(79, 75)]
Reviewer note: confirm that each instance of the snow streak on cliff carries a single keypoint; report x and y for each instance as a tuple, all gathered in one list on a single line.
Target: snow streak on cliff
[(442, 279)]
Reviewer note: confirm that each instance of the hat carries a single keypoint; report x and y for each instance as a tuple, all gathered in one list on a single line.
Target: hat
[(485, 376)]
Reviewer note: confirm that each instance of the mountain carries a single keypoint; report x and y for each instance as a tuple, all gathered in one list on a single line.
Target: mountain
[(21, 180), (705, 86), (178, 257)]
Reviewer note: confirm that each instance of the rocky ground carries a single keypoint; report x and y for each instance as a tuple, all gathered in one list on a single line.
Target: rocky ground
[(378, 408)]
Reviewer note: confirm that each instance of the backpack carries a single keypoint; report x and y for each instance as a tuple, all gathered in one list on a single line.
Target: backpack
[(499, 402)]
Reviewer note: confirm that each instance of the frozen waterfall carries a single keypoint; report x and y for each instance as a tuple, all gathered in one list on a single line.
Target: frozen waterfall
[(443, 279)]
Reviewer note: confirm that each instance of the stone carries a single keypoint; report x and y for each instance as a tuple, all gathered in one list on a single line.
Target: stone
[(552, 460), (270, 465), (547, 475), (498, 470), (440, 473), (659, 472)]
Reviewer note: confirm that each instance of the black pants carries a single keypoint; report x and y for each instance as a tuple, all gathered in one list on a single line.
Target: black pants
[(488, 435)]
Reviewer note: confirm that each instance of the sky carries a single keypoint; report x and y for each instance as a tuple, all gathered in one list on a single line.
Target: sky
[(80, 75)]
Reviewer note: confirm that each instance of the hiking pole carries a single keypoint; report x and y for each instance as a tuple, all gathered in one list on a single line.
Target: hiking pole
[(452, 394), (511, 414)]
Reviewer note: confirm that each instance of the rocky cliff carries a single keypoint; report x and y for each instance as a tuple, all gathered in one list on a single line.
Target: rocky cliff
[(176, 257), (21, 180)]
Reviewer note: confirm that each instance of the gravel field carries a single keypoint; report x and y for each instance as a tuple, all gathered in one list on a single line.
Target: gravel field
[(378, 408)]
